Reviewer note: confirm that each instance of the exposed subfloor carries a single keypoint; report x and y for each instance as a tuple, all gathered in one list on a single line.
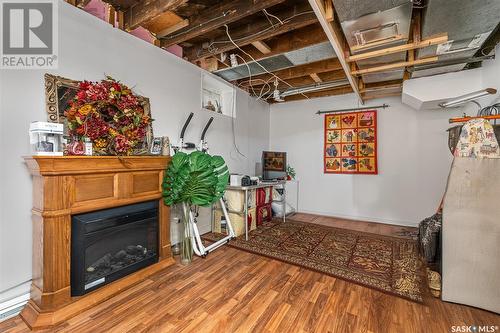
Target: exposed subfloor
[(235, 291)]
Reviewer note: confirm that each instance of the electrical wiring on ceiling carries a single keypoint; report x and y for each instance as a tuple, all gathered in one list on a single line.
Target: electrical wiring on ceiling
[(249, 71), (212, 49), (256, 62), (262, 95), (276, 17)]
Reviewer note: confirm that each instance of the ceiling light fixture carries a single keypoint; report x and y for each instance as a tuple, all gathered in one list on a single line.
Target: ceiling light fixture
[(276, 93), (467, 98)]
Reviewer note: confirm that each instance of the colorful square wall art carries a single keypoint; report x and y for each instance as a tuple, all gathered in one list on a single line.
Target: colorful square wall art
[(351, 143)]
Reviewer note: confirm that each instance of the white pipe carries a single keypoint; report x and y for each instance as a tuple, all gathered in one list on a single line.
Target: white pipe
[(316, 87)]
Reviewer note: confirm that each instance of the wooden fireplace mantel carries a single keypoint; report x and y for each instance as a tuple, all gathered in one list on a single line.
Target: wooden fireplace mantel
[(63, 186)]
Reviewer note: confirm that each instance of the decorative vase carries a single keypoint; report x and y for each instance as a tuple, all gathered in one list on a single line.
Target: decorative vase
[(187, 246), (75, 147)]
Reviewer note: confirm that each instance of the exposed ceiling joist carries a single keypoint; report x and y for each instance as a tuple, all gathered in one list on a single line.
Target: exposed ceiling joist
[(255, 32), (380, 86), (212, 18), (392, 94), (388, 67), (145, 11), (301, 80), (262, 47), (400, 48), (82, 3), (329, 12), (172, 29), (337, 40), (302, 70), (315, 77)]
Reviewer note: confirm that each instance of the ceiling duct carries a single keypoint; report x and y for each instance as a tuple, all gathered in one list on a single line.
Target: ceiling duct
[(368, 25), (317, 52), (372, 25), (468, 24)]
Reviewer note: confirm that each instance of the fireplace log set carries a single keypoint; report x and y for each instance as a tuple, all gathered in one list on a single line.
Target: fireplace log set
[(113, 262)]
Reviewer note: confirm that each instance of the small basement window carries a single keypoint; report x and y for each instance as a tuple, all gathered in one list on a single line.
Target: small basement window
[(217, 95)]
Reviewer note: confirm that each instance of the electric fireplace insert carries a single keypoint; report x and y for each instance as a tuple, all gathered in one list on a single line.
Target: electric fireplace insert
[(109, 244)]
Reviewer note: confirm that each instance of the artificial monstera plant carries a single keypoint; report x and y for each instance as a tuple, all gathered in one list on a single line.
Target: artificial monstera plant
[(195, 179)]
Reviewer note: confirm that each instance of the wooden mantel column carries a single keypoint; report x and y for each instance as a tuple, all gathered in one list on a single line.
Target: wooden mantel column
[(63, 186)]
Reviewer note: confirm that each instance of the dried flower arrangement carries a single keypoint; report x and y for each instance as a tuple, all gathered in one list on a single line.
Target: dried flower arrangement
[(110, 115)]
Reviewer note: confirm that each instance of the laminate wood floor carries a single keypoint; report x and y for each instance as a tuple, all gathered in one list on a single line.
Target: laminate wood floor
[(235, 291)]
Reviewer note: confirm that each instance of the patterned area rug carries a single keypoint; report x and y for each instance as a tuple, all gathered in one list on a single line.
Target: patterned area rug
[(384, 263)]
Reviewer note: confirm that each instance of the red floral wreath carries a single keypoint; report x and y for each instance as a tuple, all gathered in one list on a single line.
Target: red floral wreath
[(110, 115)]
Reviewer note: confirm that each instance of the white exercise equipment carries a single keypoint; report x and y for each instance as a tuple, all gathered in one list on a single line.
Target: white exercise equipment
[(198, 247)]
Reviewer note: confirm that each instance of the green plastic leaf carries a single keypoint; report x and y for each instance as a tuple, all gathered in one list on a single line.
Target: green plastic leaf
[(196, 179)]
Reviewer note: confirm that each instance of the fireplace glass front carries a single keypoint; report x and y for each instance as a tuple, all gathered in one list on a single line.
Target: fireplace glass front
[(109, 244)]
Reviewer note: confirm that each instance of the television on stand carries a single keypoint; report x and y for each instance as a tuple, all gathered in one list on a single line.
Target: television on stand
[(273, 165)]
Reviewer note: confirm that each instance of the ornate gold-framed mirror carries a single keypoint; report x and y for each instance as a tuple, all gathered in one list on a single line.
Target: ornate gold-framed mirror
[(58, 92)]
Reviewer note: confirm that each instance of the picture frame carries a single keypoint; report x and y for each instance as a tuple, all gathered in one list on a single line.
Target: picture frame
[(59, 91), (156, 146)]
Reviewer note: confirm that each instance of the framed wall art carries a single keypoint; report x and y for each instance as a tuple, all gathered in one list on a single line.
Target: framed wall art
[(350, 143)]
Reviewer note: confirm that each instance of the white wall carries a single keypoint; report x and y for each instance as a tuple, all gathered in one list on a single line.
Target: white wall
[(88, 49), (413, 155), (413, 161)]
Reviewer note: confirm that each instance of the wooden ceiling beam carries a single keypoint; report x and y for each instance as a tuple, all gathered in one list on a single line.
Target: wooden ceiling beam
[(145, 11), (215, 17), (317, 67), (176, 27), (261, 46), (388, 67), (329, 13), (337, 40), (315, 77), (82, 3), (380, 86), (298, 81), (392, 94), (255, 32), (400, 48)]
